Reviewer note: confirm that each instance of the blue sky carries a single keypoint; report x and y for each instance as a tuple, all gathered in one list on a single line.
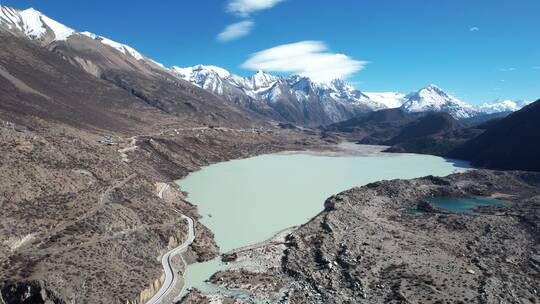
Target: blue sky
[(476, 50)]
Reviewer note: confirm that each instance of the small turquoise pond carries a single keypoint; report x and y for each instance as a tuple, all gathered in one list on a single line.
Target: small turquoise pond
[(466, 205)]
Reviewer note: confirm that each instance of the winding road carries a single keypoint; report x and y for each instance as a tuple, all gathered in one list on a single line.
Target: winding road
[(171, 277)]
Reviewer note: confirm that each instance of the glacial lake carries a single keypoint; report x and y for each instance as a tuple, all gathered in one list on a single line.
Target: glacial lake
[(466, 205), (248, 201)]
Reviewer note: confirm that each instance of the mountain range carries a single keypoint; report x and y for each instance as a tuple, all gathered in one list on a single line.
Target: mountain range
[(119, 75), (337, 100), (295, 99), (94, 134)]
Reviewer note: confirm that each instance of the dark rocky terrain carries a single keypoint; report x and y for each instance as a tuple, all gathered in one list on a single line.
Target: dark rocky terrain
[(510, 143), (431, 124), (429, 133), (435, 133), (370, 246), (482, 119), (374, 127)]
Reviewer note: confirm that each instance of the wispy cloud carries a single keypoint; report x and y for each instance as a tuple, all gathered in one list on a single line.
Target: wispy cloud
[(474, 29), (236, 30), (246, 7), (243, 8), (536, 67), (306, 58), (506, 69)]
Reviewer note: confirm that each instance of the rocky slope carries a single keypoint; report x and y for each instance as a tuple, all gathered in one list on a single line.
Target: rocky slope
[(369, 245), (372, 128), (88, 130), (144, 82), (510, 143), (431, 124), (405, 132), (434, 133), (294, 99)]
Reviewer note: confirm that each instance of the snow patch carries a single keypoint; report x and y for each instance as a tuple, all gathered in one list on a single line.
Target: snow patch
[(389, 99), (122, 48), (33, 23)]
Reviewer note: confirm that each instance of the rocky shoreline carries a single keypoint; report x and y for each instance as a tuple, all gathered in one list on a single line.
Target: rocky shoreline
[(392, 255), (365, 247), (92, 215)]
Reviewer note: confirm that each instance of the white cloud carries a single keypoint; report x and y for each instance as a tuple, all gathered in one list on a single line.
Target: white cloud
[(246, 7), (305, 58), (236, 30), (474, 29), (507, 69)]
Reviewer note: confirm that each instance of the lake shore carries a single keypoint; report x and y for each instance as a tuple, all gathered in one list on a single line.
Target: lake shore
[(363, 246), (298, 177)]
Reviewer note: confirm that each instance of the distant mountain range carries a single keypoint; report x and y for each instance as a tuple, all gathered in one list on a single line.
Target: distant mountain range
[(294, 99), (335, 101), (508, 143)]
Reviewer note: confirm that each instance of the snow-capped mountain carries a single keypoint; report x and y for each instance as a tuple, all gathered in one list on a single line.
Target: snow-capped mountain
[(332, 102), (389, 99), (337, 100), (122, 48), (295, 99), (37, 26), (501, 106), (434, 99), (34, 24)]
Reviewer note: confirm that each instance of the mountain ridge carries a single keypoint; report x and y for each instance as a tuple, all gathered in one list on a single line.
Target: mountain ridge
[(295, 99), (428, 99), (511, 143)]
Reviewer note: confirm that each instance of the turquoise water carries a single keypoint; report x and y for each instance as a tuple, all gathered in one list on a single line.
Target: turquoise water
[(465, 205), (248, 201)]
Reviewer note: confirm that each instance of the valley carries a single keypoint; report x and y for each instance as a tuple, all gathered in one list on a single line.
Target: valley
[(289, 188), (123, 180)]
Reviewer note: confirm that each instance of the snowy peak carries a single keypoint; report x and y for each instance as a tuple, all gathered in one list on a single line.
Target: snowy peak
[(33, 24), (432, 94), (500, 106), (189, 72), (434, 99), (208, 77), (268, 88), (389, 99), (262, 80), (340, 85), (37, 26), (300, 83), (433, 88)]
